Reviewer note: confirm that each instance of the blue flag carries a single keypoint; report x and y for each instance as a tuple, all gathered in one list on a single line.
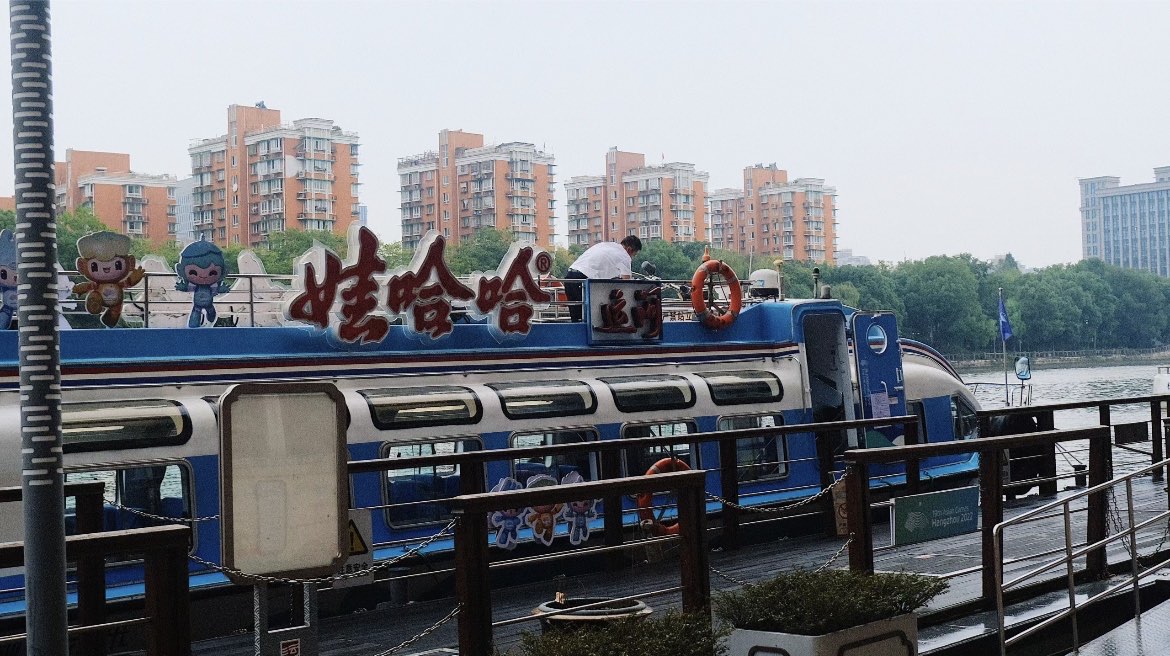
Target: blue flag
[(1005, 326)]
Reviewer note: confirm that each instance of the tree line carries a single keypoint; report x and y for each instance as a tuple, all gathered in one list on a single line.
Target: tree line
[(949, 302)]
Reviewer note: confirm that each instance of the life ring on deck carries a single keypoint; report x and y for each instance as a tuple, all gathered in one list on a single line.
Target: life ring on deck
[(711, 317), (646, 499)]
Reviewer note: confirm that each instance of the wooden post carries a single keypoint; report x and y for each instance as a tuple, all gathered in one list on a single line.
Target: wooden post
[(1096, 525), (1156, 437), (825, 468), (857, 509), (1044, 422), (91, 569), (611, 467), (168, 598), (694, 572), (729, 490), (913, 465), (472, 584), (991, 503)]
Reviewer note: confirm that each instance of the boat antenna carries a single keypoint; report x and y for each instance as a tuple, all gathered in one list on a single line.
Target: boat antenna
[(816, 282), (778, 263)]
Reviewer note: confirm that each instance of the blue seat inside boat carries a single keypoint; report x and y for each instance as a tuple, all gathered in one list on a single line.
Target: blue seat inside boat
[(171, 507), (526, 470), (450, 485)]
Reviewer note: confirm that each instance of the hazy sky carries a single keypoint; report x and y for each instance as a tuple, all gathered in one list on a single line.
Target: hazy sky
[(946, 127)]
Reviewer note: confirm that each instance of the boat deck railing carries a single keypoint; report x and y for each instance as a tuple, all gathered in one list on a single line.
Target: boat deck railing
[(1125, 531)]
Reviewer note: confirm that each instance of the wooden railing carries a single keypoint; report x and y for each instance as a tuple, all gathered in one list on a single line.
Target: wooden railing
[(164, 548), (472, 572), (991, 490)]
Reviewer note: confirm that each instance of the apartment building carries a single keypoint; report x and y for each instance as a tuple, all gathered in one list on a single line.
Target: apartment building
[(465, 186), (793, 220), (264, 177), (653, 202), (1126, 226), (134, 204)]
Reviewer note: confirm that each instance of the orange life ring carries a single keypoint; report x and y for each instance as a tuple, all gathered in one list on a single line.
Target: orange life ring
[(709, 317), (646, 499)]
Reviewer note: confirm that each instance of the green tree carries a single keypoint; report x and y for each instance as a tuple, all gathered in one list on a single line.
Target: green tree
[(396, 255), (284, 248), (669, 261), (943, 293), (483, 252), (7, 220), (72, 226)]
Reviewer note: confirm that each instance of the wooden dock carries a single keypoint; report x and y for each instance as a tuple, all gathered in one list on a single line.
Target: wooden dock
[(516, 594)]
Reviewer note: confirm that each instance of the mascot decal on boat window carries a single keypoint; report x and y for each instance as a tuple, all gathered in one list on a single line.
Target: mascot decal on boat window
[(425, 294), (8, 278), (107, 264), (201, 270)]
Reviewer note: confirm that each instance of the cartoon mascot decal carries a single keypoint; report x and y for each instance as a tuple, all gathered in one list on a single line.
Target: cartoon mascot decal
[(201, 269), (107, 263), (8, 280)]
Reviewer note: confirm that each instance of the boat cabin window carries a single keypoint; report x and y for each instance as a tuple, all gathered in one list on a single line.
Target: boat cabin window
[(556, 466), (417, 407), (639, 460), (659, 392), (915, 408), (123, 424), (735, 387), (966, 424), (412, 492), (133, 493), (758, 458), (545, 398)]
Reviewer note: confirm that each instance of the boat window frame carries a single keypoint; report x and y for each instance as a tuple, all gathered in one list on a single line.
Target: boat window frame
[(609, 382), (718, 400), (694, 459), (553, 413), (783, 462), (593, 435), (957, 404), (185, 428), (474, 418), (114, 467), (384, 475)]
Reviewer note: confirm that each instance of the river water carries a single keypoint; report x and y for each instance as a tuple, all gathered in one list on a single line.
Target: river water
[(1071, 384)]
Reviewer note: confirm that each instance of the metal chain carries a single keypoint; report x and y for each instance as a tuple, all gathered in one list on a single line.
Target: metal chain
[(324, 579), (725, 575), (1115, 520), (159, 518), (429, 630), (777, 509), (836, 555)]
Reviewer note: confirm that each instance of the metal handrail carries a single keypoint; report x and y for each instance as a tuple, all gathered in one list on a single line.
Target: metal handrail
[(1071, 553)]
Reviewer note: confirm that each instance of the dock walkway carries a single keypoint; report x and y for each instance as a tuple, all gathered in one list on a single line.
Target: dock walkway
[(375, 632)]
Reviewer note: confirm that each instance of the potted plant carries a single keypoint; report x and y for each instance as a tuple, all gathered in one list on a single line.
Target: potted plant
[(814, 613), (670, 634)]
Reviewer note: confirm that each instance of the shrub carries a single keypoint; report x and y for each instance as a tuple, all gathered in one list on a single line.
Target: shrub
[(671, 634), (815, 603)]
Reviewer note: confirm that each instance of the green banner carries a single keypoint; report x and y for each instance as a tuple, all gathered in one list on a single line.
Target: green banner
[(922, 517)]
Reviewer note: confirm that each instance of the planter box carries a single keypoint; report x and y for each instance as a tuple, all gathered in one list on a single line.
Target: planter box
[(897, 636)]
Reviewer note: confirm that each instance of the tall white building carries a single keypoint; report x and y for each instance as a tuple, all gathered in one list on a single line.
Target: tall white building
[(1126, 226)]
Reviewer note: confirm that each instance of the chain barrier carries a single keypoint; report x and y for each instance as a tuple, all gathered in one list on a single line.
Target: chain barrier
[(1119, 527), (828, 563), (261, 578), (429, 630), (778, 509), (158, 518), (840, 551)]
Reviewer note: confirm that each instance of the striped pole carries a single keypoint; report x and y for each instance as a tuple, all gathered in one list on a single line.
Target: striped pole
[(40, 362)]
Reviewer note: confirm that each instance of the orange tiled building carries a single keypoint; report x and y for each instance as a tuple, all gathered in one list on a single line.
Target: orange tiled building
[(794, 220), (134, 204), (465, 186), (264, 177), (653, 202)]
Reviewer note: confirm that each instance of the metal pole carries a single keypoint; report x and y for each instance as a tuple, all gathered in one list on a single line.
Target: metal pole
[(1007, 401), (40, 365)]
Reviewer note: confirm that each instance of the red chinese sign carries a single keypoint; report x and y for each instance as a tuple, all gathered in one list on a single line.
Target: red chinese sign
[(425, 294)]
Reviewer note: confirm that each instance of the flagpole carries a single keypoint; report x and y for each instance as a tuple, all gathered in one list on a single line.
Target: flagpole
[(1003, 341)]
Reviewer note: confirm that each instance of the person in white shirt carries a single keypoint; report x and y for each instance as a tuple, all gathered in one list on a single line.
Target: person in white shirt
[(605, 260)]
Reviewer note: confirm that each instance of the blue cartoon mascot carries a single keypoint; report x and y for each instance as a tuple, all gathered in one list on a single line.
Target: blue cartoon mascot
[(8, 265), (201, 269)]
